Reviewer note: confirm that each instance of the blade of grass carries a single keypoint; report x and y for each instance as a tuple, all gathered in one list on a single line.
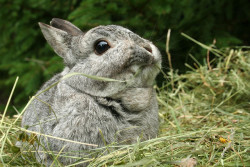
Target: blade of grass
[(56, 158), (173, 115), (3, 116), (214, 51), (8, 102)]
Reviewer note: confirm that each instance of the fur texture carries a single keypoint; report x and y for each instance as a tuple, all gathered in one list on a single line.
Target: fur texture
[(86, 108)]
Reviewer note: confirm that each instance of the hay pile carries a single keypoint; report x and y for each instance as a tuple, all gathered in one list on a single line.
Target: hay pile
[(204, 117)]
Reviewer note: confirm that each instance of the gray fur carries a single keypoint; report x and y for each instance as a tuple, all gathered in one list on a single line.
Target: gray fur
[(122, 111)]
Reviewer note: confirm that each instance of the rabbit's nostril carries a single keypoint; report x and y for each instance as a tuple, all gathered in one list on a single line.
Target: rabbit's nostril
[(148, 48)]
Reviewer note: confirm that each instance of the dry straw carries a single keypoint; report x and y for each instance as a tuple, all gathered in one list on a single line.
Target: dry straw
[(204, 117)]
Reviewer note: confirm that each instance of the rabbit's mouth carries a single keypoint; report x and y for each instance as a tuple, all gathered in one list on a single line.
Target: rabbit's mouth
[(143, 75), (152, 65)]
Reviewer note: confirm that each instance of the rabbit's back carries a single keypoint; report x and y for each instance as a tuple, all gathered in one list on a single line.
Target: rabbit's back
[(40, 107)]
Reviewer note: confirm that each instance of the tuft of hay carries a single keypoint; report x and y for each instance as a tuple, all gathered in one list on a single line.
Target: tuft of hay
[(204, 117)]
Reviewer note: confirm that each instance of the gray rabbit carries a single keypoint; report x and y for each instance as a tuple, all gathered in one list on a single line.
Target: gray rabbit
[(93, 111)]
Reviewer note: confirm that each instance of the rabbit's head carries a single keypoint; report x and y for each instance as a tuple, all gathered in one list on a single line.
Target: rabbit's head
[(104, 51)]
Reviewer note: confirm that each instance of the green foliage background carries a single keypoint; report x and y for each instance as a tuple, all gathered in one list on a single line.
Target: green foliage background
[(24, 51)]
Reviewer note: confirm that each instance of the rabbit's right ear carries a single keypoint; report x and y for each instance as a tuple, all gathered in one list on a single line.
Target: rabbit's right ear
[(59, 35)]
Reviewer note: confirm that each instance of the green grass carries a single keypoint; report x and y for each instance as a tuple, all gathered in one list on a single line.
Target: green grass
[(204, 114)]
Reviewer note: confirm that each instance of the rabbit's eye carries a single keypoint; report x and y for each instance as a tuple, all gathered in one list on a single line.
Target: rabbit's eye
[(101, 47)]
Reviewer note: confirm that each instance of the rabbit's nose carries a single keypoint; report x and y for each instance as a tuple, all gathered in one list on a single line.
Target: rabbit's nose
[(147, 47)]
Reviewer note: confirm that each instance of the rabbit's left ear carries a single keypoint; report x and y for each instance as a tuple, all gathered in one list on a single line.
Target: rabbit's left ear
[(59, 35), (65, 26)]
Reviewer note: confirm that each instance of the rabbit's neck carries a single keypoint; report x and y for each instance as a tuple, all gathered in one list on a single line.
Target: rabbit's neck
[(114, 106)]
